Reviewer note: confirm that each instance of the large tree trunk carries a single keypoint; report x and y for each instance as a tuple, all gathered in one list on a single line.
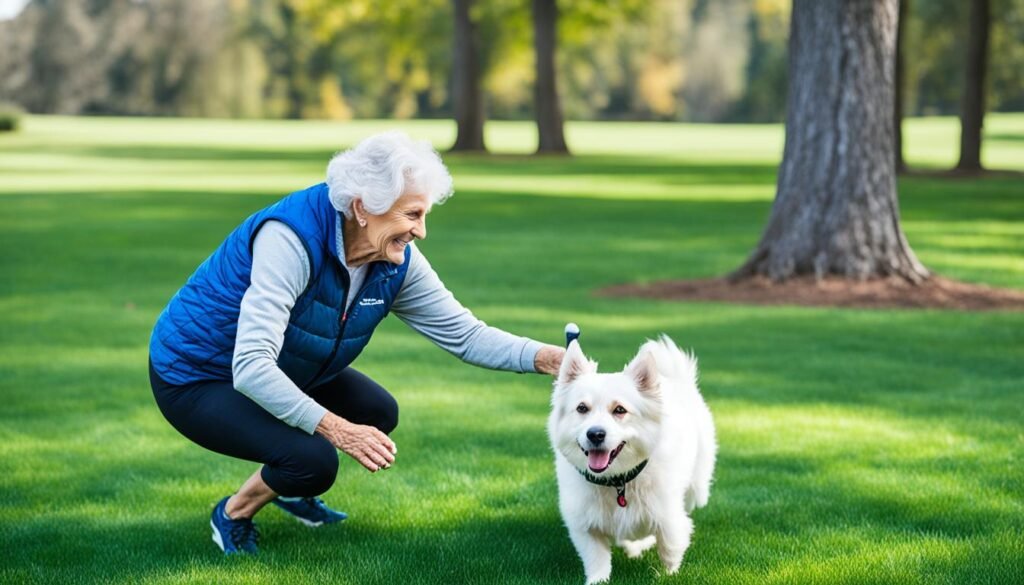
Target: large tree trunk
[(897, 130), (294, 69), (972, 106), (835, 211), (545, 90), (469, 103)]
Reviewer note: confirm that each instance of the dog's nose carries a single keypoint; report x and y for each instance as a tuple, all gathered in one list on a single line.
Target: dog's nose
[(596, 435)]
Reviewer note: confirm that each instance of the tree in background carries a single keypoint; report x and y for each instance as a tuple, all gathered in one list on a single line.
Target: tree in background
[(68, 74), (937, 43), (718, 54), (60, 85), (1004, 89), (291, 57), (764, 97), (972, 105), (467, 95), (615, 58), (548, 110), (898, 81), (117, 57), (686, 60), (835, 210), (189, 34)]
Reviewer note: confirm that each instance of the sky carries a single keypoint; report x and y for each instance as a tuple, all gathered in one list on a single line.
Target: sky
[(10, 8)]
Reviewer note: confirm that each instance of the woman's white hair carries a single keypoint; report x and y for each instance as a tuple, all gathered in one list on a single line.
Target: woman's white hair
[(382, 168)]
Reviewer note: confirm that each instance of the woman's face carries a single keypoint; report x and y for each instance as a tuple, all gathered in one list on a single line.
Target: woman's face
[(391, 231)]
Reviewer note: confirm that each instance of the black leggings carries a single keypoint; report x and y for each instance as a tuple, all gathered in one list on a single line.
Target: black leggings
[(214, 415)]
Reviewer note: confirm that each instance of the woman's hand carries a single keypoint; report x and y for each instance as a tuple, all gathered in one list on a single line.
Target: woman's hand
[(367, 445), (549, 359)]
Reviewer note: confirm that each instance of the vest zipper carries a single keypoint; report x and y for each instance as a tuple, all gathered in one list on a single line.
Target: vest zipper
[(341, 331)]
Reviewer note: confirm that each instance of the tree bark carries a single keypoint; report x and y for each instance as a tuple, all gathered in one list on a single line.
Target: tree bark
[(545, 89), (835, 210), (972, 106), (469, 103), (897, 130)]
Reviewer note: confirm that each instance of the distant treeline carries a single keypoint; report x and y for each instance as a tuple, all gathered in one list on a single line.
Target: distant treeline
[(698, 60)]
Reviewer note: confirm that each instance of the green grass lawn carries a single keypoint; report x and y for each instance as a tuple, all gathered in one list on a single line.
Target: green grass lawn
[(856, 446)]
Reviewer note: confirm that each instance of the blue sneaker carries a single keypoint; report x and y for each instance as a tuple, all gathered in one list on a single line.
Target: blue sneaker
[(309, 511), (233, 536)]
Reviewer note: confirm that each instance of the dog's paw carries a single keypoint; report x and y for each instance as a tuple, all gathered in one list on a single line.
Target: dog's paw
[(599, 576), (635, 548), (671, 559)]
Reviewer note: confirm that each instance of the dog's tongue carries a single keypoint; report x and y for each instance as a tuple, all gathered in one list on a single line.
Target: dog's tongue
[(597, 459)]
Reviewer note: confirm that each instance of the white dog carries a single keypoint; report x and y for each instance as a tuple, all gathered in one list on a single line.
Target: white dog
[(634, 454)]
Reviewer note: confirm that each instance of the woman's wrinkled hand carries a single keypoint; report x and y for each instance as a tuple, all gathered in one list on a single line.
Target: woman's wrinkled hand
[(549, 359), (369, 446)]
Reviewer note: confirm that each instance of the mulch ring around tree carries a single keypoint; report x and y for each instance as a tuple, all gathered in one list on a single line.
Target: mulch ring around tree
[(882, 293)]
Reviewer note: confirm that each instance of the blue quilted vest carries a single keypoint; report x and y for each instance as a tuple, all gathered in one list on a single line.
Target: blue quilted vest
[(194, 337)]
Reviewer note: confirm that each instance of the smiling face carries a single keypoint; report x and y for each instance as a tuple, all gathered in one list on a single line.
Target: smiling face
[(605, 423), (390, 232)]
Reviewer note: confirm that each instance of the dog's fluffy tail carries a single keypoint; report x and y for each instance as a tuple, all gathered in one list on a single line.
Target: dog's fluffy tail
[(704, 467), (676, 364)]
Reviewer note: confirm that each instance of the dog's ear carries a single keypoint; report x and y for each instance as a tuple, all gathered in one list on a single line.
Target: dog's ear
[(644, 372), (574, 364)]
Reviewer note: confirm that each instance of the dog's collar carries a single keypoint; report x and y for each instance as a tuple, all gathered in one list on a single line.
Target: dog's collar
[(616, 481)]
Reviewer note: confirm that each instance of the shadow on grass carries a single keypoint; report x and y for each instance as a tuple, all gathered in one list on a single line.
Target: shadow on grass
[(679, 171), (768, 518), (1007, 136), (990, 198), (924, 365), (196, 153), (791, 494)]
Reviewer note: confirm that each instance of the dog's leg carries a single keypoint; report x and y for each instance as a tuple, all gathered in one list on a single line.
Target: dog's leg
[(635, 548), (595, 553), (673, 540)]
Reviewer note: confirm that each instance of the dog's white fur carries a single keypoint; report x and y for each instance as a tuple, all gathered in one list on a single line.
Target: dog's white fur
[(667, 423)]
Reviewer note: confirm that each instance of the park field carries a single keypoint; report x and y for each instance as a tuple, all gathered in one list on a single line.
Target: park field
[(856, 446)]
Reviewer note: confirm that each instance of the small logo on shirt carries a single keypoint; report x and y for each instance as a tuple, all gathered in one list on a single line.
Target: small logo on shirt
[(370, 302)]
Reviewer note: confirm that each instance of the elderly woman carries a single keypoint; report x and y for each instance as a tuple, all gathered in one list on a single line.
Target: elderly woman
[(251, 358)]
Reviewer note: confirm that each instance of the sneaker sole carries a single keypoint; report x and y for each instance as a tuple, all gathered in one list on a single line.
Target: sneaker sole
[(309, 523), (217, 538)]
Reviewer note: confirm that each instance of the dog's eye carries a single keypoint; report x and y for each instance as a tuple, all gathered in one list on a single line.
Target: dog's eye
[(619, 410), (582, 408)]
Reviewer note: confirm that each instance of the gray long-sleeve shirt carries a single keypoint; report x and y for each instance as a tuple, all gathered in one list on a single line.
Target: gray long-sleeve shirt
[(280, 272)]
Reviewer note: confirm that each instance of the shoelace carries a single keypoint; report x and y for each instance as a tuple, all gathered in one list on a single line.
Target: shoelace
[(244, 532)]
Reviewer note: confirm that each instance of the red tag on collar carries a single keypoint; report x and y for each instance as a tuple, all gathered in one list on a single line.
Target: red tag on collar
[(621, 500)]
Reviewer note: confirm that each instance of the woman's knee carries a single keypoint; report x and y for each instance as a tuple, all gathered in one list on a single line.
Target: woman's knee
[(321, 465), (309, 471), (387, 414)]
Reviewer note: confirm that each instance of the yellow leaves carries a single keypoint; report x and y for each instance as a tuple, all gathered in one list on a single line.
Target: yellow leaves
[(332, 102), (659, 83), (328, 18), (773, 18), (774, 9), (510, 80)]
